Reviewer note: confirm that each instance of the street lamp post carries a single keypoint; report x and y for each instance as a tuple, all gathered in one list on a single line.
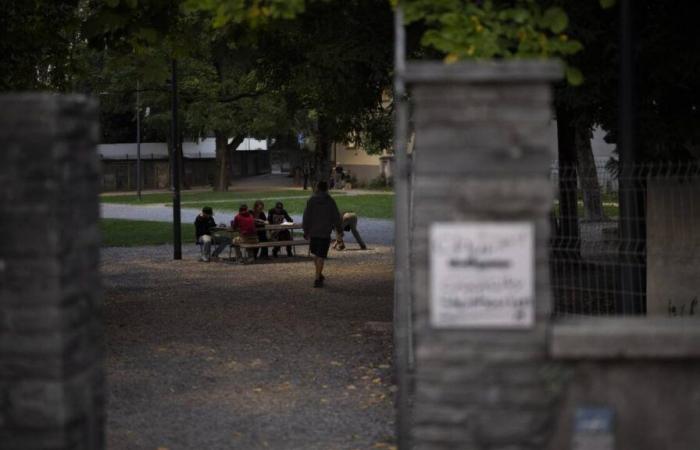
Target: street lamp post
[(138, 140), (177, 238)]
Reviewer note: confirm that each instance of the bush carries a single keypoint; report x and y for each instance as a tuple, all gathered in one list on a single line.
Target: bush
[(381, 182)]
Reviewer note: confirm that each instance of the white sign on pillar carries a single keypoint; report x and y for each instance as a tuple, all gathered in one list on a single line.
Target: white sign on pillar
[(482, 275)]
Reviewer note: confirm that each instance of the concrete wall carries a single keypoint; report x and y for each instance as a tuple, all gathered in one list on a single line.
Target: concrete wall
[(673, 247), (655, 404), (365, 167), (51, 334), (481, 159), (482, 154)]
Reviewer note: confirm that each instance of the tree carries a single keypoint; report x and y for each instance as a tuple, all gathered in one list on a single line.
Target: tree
[(334, 61), (331, 60), (38, 41), (222, 91)]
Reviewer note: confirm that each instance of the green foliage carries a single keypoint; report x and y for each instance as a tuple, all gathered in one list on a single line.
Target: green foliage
[(255, 12), (494, 29), (39, 42), (381, 183)]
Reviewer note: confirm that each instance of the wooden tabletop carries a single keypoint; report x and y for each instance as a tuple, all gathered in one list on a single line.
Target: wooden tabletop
[(268, 227)]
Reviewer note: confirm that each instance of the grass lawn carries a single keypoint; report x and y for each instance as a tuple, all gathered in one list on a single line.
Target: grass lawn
[(610, 209), (376, 206), (197, 199), (132, 233)]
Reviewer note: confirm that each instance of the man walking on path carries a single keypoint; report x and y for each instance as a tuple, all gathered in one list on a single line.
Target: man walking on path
[(321, 217)]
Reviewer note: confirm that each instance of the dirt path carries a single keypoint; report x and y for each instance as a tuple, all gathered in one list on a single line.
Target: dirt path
[(220, 356)]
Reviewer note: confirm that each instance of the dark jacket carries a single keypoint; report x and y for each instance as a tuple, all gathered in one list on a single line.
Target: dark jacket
[(260, 216), (277, 216), (321, 216), (203, 225)]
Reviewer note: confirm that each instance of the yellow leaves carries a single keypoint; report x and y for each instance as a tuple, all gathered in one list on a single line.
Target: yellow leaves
[(470, 50), (451, 58), (384, 445), (563, 37), (377, 381), (574, 76)]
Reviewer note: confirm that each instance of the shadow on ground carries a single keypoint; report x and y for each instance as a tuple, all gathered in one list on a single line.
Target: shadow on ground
[(228, 356)]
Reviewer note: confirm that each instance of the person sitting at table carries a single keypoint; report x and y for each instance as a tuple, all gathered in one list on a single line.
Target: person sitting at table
[(349, 223), (203, 225), (260, 221), (244, 223), (276, 216)]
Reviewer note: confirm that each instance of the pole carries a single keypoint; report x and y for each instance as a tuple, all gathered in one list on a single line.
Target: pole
[(138, 140), (402, 292), (177, 238), (632, 227)]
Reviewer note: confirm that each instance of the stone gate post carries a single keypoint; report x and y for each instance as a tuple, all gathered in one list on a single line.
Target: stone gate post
[(51, 336), (479, 271)]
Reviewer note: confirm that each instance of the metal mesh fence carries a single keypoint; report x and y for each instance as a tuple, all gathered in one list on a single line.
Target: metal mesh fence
[(626, 243)]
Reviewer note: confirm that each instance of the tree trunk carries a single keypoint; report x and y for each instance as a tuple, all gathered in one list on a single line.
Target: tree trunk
[(235, 142), (588, 176), (323, 148), (568, 239), (224, 159), (222, 173)]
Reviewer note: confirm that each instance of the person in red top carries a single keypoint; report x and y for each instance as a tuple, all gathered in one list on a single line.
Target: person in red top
[(244, 223)]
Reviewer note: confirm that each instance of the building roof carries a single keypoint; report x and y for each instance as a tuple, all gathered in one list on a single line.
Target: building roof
[(204, 149)]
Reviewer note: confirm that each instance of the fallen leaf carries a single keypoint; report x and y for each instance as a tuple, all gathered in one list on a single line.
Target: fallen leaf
[(257, 390), (351, 387), (336, 363)]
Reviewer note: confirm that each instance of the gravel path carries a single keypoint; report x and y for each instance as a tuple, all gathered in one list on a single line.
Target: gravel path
[(373, 231), (220, 356)]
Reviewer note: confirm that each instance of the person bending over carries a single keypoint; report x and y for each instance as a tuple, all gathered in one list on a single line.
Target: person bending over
[(349, 223)]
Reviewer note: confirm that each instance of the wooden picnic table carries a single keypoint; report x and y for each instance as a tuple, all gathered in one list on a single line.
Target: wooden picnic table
[(268, 227)]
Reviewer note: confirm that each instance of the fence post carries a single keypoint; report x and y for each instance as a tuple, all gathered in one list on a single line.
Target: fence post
[(51, 333), (479, 247)]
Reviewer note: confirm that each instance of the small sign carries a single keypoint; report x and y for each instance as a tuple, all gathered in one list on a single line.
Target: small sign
[(593, 429), (481, 275)]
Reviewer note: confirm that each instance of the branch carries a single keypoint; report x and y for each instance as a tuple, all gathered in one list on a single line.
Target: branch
[(240, 96)]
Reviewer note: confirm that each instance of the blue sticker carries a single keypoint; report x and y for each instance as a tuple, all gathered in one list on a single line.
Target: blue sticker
[(594, 420)]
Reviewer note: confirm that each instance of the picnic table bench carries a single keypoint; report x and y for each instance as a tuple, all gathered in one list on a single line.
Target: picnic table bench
[(268, 227)]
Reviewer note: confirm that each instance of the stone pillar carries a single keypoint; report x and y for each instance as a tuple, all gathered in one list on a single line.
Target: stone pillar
[(482, 157), (51, 333)]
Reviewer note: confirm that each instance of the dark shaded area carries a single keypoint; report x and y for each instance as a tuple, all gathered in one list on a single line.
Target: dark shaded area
[(226, 356)]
